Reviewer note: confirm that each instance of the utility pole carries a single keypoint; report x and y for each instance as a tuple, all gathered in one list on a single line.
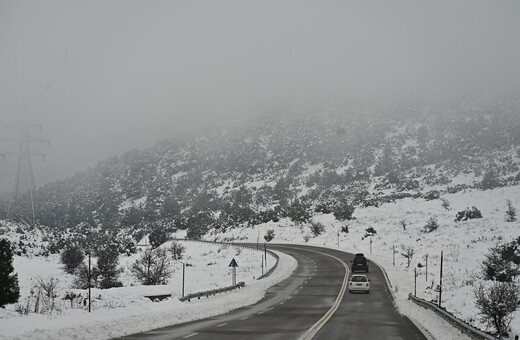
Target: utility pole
[(21, 202), (440, 281), (370, 245), (393, 255), (183, 277), (262, 265), (338, 239), (89, 281)]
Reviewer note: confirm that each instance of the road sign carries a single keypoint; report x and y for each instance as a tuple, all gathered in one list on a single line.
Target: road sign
[(233, 263)]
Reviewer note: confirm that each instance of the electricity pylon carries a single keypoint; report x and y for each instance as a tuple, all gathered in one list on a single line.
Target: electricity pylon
[(21, 203)]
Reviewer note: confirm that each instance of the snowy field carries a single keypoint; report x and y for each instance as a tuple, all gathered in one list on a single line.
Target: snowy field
[(122, 311), (464, 244)]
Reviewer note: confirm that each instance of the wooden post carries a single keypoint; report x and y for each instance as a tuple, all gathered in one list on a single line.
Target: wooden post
[(440, 280), (89, 282), (393, 255)]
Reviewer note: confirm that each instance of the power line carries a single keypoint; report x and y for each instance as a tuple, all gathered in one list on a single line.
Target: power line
[(21, 203)]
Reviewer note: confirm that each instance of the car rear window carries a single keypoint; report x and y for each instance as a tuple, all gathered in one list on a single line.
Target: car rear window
[(359, 260), (359, 279)]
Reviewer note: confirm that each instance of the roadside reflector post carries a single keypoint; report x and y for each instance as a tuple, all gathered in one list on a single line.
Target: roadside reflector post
[(370, 244), (415, 283), (265, 254), (426, 267), (233, 266)]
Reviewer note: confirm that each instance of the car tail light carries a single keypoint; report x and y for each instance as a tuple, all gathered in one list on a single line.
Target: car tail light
[(350, 284), (366, 284)]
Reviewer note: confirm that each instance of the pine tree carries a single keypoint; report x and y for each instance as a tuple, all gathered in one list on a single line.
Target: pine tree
[(9, 289), (71, 258), (107, 264)]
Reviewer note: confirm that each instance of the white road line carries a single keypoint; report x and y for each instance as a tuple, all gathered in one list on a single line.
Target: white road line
[(290, 297), (222, 324), (247, 317), (311, 332), (259, 313), (282, 302), (271, 308), (189, 336)]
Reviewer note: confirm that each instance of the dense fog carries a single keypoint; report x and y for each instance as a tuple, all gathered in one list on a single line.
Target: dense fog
[(105, 77)]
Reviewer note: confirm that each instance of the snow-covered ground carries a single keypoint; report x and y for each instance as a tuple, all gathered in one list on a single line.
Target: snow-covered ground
[(122, 311), (464, 245)]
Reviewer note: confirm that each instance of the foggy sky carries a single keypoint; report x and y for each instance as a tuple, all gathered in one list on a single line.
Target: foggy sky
[(103, 77)]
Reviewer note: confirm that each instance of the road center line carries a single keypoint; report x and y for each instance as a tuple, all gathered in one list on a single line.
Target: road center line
[(189, 336), (311, 332), (222, 324)]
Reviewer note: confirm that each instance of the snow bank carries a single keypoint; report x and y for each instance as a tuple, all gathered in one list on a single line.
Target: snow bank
[(122, 311)]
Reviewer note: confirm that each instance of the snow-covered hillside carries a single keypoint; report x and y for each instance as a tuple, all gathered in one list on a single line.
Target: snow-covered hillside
[(464, 243)]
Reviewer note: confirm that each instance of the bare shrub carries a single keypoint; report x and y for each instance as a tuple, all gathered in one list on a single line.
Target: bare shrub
[(407, 252), (403, 223), (153, 268), (496, 304), (445, 204), (42, 298), (510, 212)]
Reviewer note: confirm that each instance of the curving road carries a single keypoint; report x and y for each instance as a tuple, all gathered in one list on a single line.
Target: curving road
[(312, 303)]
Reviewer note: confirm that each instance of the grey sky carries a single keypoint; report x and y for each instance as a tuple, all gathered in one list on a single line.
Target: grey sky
[(103, 77)]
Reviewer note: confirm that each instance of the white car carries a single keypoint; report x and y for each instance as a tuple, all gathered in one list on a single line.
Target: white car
[(359, 283)]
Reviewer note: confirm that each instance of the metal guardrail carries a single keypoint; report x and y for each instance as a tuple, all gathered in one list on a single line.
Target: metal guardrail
[(239, 285), (464, 327), (270, 252), (211, 292)]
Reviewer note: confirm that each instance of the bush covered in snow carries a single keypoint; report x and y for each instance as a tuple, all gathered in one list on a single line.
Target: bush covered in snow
[(468, 214)]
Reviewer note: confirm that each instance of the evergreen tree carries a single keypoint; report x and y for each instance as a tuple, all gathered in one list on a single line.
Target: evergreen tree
[(490, 180), (158, 235), (107, 261), (343, 210), (298, 211), (9, 289), (71, 258)]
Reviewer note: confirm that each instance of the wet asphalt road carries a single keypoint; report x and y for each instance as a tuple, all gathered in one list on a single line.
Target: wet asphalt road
[(292, 307)]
